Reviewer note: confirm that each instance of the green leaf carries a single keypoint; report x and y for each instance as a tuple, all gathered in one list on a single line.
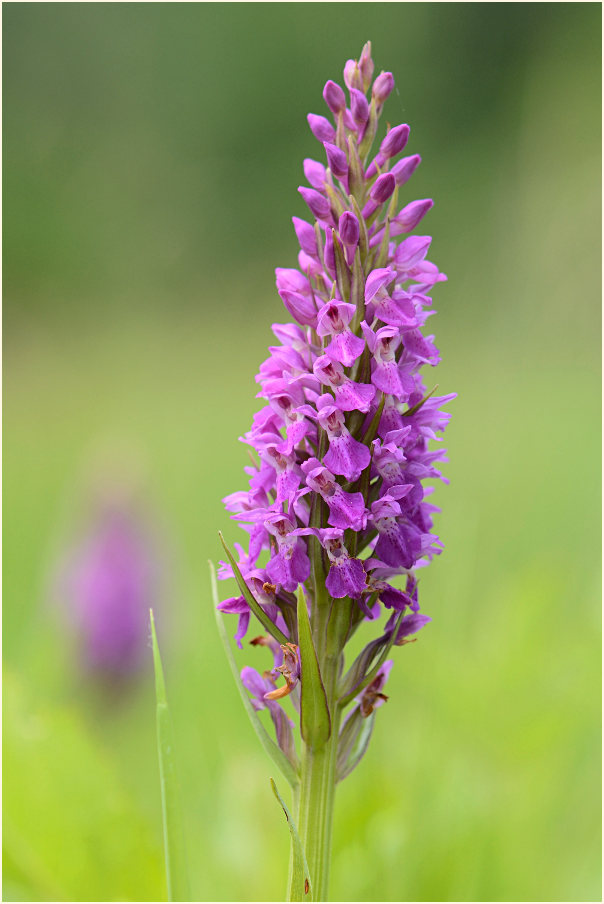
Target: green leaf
[(343, 701), (174, 844), (300, 885), (353, 742), (419, 404), (251, 600), (271, 748), (315, 721)]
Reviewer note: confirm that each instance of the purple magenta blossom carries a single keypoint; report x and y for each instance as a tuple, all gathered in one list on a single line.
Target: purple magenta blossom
[(346, 510), (106, 587), (334, 320), (337, 502)]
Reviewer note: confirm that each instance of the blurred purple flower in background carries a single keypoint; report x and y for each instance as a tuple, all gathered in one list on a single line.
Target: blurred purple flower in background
[(108, 581)]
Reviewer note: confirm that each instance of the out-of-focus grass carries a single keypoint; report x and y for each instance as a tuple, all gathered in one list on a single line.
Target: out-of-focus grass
[(482, 779)]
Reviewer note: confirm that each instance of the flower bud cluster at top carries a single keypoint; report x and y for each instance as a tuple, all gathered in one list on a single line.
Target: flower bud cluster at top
[(337, 498)]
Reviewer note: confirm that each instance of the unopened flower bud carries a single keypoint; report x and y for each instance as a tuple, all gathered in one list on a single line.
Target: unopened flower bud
[(404, 168), (329, 256), (306, 236), (337, 160), (348, 228), (382, 86), (352, 75), (289, 279), (309, 264), (359, 107), (395, 141), (321, 127), (410, 215), (382, 188), (318, 203), (315, 173), (300, 307), (334, 97), (366, 65)]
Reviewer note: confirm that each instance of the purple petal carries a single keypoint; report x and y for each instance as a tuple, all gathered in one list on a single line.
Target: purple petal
[(346, 578), (347, 456)]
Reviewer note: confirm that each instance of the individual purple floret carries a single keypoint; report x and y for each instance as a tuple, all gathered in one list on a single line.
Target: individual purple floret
[(337, 509)]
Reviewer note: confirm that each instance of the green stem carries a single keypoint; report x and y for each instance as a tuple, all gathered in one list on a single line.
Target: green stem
[(317, 793), (314, 813)]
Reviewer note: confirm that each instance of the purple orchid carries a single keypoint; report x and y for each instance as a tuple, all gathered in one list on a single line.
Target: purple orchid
[(106, 587), (337, 507)]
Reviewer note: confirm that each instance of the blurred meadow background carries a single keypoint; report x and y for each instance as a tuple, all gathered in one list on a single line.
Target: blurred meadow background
[(152, 154)]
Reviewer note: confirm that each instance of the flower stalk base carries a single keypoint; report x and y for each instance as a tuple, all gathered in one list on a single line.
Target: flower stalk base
[(316, 796)]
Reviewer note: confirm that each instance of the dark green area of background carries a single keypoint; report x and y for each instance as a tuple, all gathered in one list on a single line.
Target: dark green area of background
[(151, 158)]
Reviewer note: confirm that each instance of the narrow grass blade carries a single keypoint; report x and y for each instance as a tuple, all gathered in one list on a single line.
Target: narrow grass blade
[(251, 600), (271, 748), (300, 885), (174, 842), (315, 721)]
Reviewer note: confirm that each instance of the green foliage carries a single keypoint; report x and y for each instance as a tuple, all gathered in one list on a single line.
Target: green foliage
[(71, 832), (174, 841), (300, 885)]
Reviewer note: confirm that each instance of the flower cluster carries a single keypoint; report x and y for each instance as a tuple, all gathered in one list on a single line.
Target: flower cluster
[(337, 500)]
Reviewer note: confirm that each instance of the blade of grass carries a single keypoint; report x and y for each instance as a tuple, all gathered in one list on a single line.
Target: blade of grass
[(174, 842), (300, 888)]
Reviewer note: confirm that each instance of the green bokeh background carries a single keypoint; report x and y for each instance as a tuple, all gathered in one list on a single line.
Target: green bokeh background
[(151, 158)]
